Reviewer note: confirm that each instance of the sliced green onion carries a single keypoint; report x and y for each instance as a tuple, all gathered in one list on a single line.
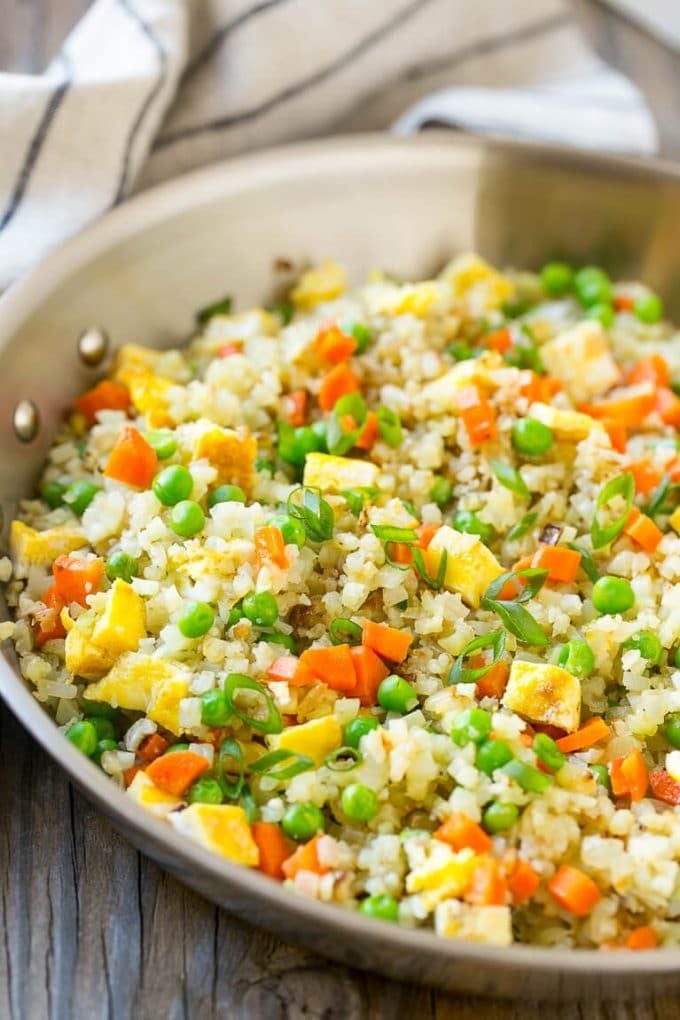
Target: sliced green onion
[(272, 765), (528, 777), (389, 427), (230, 750), (338, 439), (587, 562), (494, 640), (388, 533), (308, 506), (358, 498), (238, 682), (353, 404), (435, 581), (624, 486), (516, 618), (520, 529), (343, 759), (249, 804), (344, 632), (664, 498), (509, 477), (389, 557), (221, 307), (535, 578)]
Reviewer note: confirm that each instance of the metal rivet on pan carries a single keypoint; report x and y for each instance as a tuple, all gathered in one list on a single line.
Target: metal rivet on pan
[(93, 346), (26, 421)]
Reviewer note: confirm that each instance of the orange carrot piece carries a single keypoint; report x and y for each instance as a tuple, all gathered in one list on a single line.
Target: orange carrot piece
[(426, 533), (630, 407), (230, 348), (331, 344), (523, 882), (642, 530), (562, 564), (132, 461), (634, 774), (388, 642), (479, 417), (664, 787), (643, 937), (489, 886), (47, 621), (129, 774), (589, 734), (284, 668), (617, 432), (273, 846), (176, 772), (335, 384), (574, 890), (270, 546), (645, 476), (152, 747), (461, 832), (334, 666), (494, 681), (305, 858), (624, 302), (105, 396), (76, 577), (370, 672), (499, 340), (295, 407), (668, 406), (401, 552), (651, 369), (370, 432), (539, 388), (513, 586)]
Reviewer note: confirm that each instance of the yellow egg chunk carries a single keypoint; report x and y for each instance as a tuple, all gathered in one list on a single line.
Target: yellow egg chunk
[(324, 282), (84, 657), (332, 474), (470, 566), (148, 394), (674, 520), (442, 877), (222, 828), (315, 739), (41, 548), (147, 795), (581, 358), (130, 681), (231, 453), (441, 395), (418, 299), (123, 622), (166, 695), (469, 273), (567, 426), (491, 925), (543, 693)]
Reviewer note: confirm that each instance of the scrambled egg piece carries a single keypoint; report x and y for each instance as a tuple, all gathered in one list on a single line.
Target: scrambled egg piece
[(545, 694), (222, 828), (581, 358), (166, 695), (324, 282), (132, 360), (315, 739), (417, 299), (135, 368), (122, 625), (148, 796), (41, 548), (491, 925), (332, 474), (442, 877), (83, 657), (470, 275), (231, 454), (130, 682), (470, 567), (440, 395), (568, 426), (674, 520)]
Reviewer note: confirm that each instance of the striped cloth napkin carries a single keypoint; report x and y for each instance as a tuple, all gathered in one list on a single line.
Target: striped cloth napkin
[(145, 89)]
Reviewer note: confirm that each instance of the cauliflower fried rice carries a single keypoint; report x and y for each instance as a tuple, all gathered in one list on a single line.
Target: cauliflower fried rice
[(378, 591)]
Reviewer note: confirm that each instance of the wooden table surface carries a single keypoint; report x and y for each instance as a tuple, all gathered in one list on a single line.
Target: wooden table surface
[(89, 928)]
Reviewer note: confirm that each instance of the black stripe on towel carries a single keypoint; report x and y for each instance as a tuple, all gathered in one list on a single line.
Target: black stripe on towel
[(223, 33)]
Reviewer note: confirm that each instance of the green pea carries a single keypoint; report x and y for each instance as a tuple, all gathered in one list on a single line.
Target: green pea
[(84, 736), (302, 821), (548, 752), (121, 565), (362, 335), (601, 773), (396, 695), (472, 524), (79, 495), (647, 644), (592, 286), (441, 491), (102, 747), (613, 595), (103, 728), (531, 437), (359, 802), (471, 726), (529, 778), (460, 351), (196, 620), (603, 313), (261, 608), (672, 731), (649, 308), (319, 428), (492, 755), (215, 709), (205, 791), (226, 494), (291, 528), (577, 657), (380, 907), (52, 493), (358, 728), (557, 278), (295, 444), (173, 484), (187, 518), (163, 442), (262, 464), (499, 816), (99, 709)]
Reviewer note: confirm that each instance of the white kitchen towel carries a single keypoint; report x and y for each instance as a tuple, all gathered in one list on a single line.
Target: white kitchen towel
[(145, 89)]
